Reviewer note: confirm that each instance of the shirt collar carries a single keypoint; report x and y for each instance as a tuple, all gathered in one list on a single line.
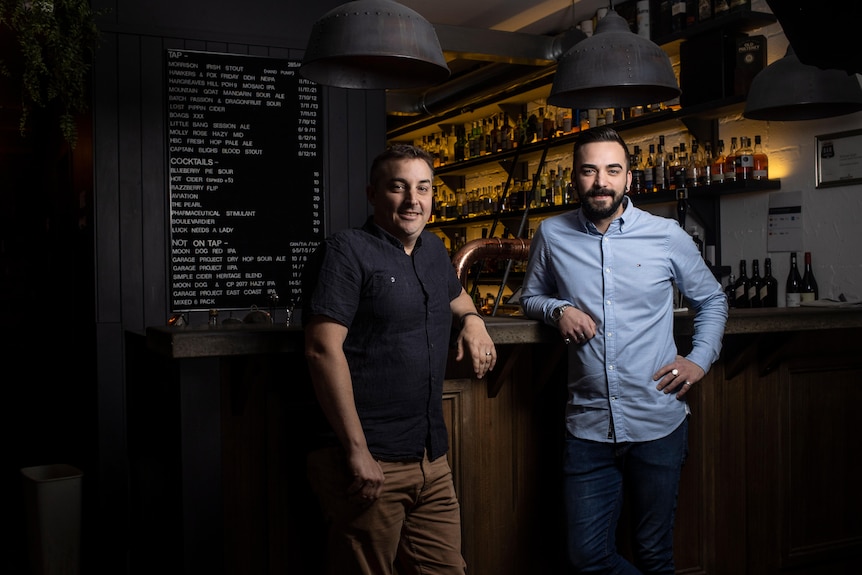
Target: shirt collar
[(627, 216), (375, 230)]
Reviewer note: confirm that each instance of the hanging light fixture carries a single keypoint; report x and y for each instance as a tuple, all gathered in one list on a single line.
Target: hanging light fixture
[(787, 89), (614, 68), (374, 45)]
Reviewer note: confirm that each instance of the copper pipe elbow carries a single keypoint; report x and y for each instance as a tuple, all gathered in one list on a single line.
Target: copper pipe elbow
[(488, 248)]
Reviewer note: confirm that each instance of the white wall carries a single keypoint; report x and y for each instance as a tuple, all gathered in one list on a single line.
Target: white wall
[(832, 231)]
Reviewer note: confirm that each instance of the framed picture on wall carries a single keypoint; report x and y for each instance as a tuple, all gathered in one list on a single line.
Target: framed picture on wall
[(839, 159)]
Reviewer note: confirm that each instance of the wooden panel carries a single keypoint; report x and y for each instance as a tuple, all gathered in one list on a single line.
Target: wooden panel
[(821, 471), (106, 160), (153, 183)]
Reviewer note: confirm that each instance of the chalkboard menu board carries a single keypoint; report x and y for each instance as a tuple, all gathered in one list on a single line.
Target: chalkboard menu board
[(245, 167)]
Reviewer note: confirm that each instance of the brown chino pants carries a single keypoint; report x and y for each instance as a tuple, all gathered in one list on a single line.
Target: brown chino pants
[(415, 525)]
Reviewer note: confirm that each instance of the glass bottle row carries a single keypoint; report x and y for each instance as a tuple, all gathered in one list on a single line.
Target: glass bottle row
[(500, 132), (553, 188), (680, 167)]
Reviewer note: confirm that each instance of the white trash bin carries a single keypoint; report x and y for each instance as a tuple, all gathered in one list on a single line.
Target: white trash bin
[(53, 506)]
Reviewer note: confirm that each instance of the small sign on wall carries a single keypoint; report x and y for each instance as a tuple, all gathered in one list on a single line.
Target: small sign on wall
[(784, 228), (839, 159)]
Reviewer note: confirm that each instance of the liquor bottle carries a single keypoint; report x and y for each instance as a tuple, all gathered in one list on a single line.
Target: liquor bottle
[(704, 10), (705, 175), (718, 164), (730, 163), (793, 287), (761, 161), (744, 161), (694, 169), (809, 284), (730, 291), (769, 288), (672, 167), (680, 175), (691, 13), (649, 170), (637, 186), (677, 15), (720, 8), (642, 18), (754, 285), (665, 7), (741, 286), (567, 127), (569, 195), (549, 124), (660, 167)]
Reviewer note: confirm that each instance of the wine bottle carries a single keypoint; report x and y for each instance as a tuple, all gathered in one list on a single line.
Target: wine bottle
[(754, 285), (809, 284), (730, 291), (793, 287), (769, 288), (741, 286)]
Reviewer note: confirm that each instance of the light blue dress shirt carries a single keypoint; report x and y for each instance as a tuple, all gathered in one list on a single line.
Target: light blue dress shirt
[(624, 280)]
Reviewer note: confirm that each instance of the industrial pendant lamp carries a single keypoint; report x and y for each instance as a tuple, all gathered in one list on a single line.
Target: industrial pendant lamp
[(374, 45), (613, 68), (787, 89)]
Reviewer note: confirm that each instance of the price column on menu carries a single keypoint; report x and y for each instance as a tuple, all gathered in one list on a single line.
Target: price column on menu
[(246, 202)]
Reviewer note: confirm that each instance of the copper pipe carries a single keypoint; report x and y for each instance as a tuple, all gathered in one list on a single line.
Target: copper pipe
[(488, 248)]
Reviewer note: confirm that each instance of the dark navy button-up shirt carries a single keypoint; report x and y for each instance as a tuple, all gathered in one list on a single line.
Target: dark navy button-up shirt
[(397, 310)]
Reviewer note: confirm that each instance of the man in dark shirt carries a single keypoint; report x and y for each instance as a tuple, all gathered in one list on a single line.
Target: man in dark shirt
[(379, 307)]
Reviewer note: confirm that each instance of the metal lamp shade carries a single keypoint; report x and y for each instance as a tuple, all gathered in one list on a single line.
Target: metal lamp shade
[(373, 45), (787, 89), (614, 68)]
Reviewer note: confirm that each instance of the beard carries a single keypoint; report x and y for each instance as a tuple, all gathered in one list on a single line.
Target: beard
[(595, 213)]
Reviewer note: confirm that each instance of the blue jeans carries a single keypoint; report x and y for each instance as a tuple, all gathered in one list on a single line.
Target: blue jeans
[(595, 477)]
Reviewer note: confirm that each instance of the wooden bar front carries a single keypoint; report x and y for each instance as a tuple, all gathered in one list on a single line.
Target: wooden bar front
[(217, 447)]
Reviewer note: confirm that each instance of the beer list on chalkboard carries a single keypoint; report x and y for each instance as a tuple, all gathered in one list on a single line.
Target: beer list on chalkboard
[(246, 205)]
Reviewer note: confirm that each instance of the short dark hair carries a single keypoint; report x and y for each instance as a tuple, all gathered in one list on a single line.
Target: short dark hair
[(399, 152), (600, 134)]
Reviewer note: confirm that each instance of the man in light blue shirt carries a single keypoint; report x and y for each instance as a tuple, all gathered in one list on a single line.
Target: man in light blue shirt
[(604, 276)]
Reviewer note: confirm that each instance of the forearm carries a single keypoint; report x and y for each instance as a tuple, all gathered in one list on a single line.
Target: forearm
[(333, 385)]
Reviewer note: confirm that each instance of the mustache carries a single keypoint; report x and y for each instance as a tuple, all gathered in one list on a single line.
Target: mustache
[(596, 192)]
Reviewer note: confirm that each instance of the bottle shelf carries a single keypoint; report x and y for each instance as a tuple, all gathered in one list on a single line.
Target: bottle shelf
[(652, 120), (665, 196)]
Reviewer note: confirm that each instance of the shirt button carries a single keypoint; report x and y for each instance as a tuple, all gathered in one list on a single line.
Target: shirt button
[(610, 368), (607, 270), (610, 334), (608, 302)]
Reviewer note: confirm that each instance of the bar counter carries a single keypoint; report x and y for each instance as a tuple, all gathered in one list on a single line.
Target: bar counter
[(244, 339), (219, 419)]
